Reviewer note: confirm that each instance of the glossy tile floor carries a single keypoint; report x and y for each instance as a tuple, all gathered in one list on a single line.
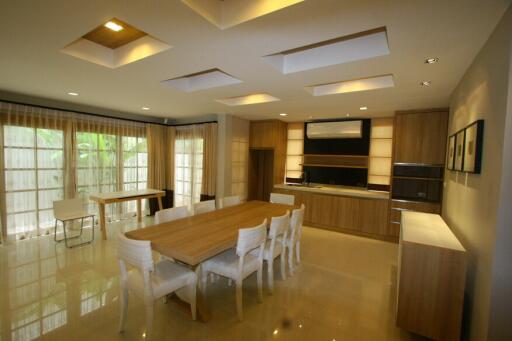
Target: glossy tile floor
[(344, 289)]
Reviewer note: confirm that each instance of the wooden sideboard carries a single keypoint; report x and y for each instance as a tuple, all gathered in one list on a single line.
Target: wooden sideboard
[(431, 277), (344, 213)]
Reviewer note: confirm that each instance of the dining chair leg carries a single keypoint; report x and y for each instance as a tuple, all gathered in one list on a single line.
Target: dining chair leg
[(297, 251), (270, 268), (259, 276), (239, 299), (123, 308), (148, 302), (204, 282), (290, 260), (193, 300), (282, 258)]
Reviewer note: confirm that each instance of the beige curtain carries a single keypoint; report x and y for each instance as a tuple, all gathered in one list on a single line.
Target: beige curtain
[(208, 186), (50, 155)]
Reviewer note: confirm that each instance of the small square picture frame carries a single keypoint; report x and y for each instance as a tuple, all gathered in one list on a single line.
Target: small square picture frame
[(473, 138), (459, 150), (450, 155)]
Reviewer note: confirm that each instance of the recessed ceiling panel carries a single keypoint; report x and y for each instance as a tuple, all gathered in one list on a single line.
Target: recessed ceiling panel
[(114, 47), (202, 80), (359, 46), (249, 99), (228, 13), (372, 83)]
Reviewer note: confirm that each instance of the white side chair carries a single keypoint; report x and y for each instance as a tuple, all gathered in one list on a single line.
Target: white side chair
[(275, 247), (204, 206), (240, 263), (70, 210), (278, 198), (229, 201), (170, 214), (150, 281), (294, 235)]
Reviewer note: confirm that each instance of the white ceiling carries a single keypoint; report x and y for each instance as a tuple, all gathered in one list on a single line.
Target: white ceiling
[(33, 32)]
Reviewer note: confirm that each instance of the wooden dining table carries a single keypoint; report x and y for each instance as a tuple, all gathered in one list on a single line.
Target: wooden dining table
[(194, 239)]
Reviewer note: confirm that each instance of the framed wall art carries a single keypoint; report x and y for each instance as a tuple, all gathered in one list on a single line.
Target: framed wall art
[(459, 151), (473, 147), (450, 157)]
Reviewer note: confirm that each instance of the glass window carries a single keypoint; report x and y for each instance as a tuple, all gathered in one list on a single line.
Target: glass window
[(188, 170)]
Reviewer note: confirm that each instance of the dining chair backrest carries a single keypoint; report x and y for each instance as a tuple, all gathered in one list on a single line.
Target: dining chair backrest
[(296, 221), (204, 206), (279, 225), (170, 214), (278, 198), (67, 207), (136, 253), (251, 238), (230, 201)]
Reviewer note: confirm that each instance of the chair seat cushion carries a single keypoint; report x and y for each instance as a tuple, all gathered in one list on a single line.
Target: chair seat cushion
[(226, 264), (167, 277)]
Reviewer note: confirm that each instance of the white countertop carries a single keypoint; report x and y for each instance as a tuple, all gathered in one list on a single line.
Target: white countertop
[(428, 229), (337, 190)]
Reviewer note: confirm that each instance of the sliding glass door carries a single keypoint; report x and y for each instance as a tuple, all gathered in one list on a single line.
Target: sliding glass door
[(188, 166)]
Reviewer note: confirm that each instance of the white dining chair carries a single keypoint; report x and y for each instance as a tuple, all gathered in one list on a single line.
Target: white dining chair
[(150, 281), (69, 210), (237, 264), (275, 246), (170, 214), (204, 206), (229, 201), (294, 236), (278, 198)]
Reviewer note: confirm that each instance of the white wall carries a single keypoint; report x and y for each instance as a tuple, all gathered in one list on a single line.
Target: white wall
[(472, 203)]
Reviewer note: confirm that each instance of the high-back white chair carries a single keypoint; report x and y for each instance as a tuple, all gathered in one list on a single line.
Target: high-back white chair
[(69, 210), (278, 198), (275, 246), (170, 214), (229, 201), (204, 206), (237, 264), (294, 236), (150, 281)]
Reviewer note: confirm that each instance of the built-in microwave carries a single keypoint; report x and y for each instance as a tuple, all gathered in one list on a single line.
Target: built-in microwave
[(417, 182)]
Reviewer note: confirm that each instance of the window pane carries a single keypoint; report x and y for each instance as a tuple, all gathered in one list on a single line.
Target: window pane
[(20, 180), (130, 159), (49, 138), (18, 158), (143, 174), (129, 143), (19, 136), (46, 219), (22, 222), (142, 185), (87, 158), (87, 140), (50, 178), (46, 198), (143, 159), (49, 159), (130, 174), (87, 176), (20, 201)]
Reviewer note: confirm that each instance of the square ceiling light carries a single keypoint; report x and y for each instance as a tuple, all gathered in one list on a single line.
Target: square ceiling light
[(114, 44), (249, 99), (364, 84), (212, 78), (228, 13), (354, 47)]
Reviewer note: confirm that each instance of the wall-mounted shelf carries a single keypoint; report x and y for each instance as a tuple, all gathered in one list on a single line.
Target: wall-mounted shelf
[(332, 166), (338, 161)]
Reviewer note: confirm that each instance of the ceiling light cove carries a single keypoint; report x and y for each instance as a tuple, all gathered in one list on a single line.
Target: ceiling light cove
[(212, 78), (363, 108), (72, 93), (354, 47), (426, 83), (113, 26), (364, 84), (431, 60), (283, 114), (249, 99), (145, 108)]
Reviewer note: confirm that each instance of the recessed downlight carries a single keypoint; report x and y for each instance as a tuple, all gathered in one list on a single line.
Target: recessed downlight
[(283, 114), (426, 83), (363, 108), (145, 108), (113, 26), (72, 93), (348, 115), (431, 60)]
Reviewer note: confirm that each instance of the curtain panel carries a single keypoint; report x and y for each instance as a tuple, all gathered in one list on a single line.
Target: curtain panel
[(208, 185), (48, 155)]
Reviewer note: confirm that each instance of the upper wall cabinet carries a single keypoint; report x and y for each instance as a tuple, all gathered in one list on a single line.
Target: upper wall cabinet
[(420, 137)]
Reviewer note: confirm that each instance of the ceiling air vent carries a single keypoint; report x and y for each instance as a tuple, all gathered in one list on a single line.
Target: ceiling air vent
[(335, 130)]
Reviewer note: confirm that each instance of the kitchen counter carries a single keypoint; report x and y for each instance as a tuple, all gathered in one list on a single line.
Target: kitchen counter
[(336, 190)]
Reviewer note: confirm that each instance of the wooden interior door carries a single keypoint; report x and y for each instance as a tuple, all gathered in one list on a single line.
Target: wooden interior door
[(261, 166)]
